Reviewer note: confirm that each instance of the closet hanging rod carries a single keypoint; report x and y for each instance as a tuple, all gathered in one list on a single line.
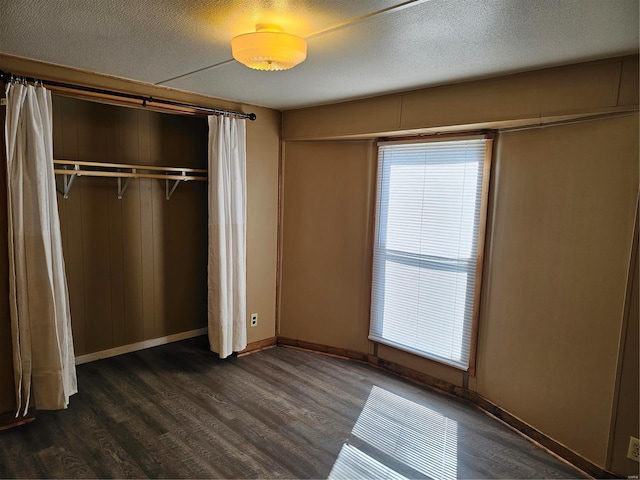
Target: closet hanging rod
[(137, 171), (7, 77), (98, 173), (128, 166), (124, 171)]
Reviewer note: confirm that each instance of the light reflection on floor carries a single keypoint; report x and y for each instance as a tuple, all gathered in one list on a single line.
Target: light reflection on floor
[(353, 463), (419, 439)]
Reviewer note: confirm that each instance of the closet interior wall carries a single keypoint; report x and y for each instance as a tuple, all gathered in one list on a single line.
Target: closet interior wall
[(7, 397), (137, 267)]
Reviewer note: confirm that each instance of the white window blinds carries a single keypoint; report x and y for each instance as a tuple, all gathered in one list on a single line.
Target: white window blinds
[(428, 216)]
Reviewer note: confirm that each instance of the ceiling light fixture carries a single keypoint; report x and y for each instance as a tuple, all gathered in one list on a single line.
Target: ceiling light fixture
[(269, 48)]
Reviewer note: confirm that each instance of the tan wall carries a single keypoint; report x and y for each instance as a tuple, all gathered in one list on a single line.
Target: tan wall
[(563, 210), (153, 287), (327, 230), (627, 420), (263, 154), (328, 215), (525, 98), (557, 248)]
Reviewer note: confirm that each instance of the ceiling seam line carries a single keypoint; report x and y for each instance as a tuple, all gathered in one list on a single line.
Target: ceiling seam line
[(219, 64), (347, 23), (361, 18)]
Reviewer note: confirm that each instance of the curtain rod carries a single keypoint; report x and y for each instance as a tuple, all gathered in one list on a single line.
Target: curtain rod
[(7, 77)]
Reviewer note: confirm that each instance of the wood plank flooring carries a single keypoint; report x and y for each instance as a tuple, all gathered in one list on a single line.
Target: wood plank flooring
[(176, 411)]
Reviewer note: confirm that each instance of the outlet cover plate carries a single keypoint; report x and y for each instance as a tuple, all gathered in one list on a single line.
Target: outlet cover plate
[(634, 449), (254, 319)]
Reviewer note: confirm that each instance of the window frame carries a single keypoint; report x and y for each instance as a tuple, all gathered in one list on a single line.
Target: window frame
[(481, 239)]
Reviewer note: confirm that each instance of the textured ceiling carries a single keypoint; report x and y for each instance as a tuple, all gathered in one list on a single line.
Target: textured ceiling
[(357, 48)]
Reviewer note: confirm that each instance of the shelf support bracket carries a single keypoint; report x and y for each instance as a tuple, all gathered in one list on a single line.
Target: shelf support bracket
[(123, 186), (169, 192), (68, 181)]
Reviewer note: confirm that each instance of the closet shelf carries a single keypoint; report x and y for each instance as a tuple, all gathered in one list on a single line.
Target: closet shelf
[(70, 169)]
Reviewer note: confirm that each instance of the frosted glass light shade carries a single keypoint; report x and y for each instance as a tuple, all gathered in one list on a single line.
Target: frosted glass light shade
[(269, 48)]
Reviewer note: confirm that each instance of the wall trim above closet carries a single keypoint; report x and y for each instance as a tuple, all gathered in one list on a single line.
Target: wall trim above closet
[(124, 171)]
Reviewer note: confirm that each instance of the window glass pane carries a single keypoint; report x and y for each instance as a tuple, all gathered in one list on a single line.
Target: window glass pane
[(405, 190)]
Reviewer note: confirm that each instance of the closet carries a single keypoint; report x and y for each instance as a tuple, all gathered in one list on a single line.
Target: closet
[(136, 266)]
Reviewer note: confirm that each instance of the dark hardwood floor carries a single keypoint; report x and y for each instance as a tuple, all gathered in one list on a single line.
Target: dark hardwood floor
[(176, 411)]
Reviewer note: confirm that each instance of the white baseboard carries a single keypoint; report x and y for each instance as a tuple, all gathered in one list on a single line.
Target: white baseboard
[(133, 347)]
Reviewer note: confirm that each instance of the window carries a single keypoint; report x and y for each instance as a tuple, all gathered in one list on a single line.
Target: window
[(427, 257)]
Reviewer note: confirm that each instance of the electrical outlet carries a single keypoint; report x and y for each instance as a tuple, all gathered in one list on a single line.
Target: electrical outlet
[(254, 319), (634, 449)]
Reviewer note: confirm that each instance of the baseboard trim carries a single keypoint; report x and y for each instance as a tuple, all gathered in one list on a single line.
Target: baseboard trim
[(257, 346), (326, 349), (9, 420), (154, 342), (561, 451), (554, 447), (134, 347)]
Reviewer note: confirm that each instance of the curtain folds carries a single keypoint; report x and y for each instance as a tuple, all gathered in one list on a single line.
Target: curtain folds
[(44, 361), (227, 235)]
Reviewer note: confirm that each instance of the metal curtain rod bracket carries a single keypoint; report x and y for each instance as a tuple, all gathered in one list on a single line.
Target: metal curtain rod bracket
[(8, 77)]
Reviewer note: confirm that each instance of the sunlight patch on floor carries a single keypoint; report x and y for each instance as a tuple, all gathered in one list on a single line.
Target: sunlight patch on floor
[(419, 438), (352, 463)]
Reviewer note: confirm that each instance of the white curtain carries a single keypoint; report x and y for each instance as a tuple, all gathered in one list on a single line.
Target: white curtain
[(43, 357), (227, 269)]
